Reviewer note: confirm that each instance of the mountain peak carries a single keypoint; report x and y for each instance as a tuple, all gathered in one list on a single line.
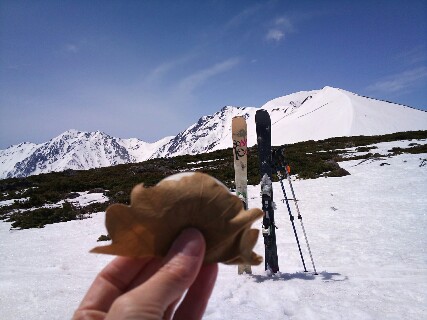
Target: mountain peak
[(71, 132)]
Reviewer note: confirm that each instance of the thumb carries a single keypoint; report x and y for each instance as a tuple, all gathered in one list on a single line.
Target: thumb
[(164, 288)]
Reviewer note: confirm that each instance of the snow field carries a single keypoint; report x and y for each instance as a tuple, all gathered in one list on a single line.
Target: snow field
[(366, 232), (44, 272), (84, 199)]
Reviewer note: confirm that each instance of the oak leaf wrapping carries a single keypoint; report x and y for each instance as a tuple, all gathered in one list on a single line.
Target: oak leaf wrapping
[(157, 215)]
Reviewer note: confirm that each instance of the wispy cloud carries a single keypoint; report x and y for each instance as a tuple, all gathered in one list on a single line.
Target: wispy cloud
[(284, 22), (242, 17), (71, 48), (164, 68), (191, 82), (275, 34), (413, 56), (279, 28), (17, 67), (400, 82)]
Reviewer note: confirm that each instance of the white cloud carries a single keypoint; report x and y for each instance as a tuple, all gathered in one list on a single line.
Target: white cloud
[(189, 83), (71, 48), (413, 56), (275, 35), (279, 28), (242, 17), (399, 82), (284, 22), (163, 69)]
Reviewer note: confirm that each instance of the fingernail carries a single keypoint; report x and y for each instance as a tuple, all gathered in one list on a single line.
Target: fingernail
[(190, 243)]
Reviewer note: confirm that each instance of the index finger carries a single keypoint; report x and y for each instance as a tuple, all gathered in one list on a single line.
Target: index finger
[(112, 282)]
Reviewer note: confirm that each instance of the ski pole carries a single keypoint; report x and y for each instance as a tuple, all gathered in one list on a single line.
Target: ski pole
[(300, 219), (291, 217), (280, 163)]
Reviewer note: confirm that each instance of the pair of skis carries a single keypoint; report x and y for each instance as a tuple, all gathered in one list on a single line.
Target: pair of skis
[(239, 135)]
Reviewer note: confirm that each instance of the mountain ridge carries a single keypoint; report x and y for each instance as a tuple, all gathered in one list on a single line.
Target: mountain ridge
[(305, 115)]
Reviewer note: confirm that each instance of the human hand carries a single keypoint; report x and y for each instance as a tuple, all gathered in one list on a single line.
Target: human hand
[(151, 288)]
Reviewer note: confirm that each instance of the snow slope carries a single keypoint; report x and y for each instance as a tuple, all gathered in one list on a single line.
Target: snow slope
[(14, 154), (366, 232), (333, 112)]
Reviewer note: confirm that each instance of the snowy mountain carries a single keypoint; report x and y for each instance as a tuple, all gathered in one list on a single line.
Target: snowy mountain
[(208, 134), (73, 150), (13, 155), (301, 116)]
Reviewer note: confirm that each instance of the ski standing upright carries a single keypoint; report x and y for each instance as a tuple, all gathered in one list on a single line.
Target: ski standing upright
[(263, 130), (239, 135)]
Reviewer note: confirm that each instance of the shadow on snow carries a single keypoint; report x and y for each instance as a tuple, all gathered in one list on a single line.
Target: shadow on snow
[(325, 276)]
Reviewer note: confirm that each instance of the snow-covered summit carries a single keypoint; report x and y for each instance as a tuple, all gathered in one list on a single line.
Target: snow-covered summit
[(76, 150), (305, 115), (301, 116), (210, 133), (332, 112)]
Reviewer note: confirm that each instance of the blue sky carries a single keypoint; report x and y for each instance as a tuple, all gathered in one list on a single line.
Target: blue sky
[(149, 69)]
